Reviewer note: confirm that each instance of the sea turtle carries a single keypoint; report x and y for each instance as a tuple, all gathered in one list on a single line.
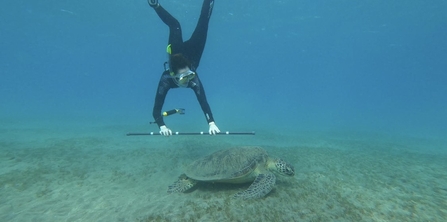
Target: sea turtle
[(235, 165)]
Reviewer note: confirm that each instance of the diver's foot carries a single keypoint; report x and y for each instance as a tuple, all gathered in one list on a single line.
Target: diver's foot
[(153, 3), (211, 8)]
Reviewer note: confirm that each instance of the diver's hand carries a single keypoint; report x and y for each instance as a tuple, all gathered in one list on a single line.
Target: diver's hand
[(165, 131), (213, 128)]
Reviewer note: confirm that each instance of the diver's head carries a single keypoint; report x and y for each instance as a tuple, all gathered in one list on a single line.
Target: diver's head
[(183, 77), (177, 62), (180, 70)]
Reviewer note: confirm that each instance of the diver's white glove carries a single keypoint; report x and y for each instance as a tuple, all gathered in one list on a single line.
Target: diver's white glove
[(213, 128), (165, 131)]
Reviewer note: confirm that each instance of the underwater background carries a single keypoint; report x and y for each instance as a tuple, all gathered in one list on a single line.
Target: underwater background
[(352, 93)]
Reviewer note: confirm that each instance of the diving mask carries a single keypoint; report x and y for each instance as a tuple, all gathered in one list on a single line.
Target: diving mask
[(182, 79)]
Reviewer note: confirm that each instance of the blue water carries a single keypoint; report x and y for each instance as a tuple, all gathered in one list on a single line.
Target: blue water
[(281, 67), (375, 65)]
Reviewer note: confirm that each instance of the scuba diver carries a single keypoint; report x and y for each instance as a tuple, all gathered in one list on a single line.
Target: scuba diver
[(184, 58)]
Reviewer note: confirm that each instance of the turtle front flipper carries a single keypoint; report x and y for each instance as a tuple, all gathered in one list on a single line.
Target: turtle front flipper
[(183, 184), (262, 185)]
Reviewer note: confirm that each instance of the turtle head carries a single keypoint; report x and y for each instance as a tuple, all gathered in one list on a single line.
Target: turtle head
[(284, 168)]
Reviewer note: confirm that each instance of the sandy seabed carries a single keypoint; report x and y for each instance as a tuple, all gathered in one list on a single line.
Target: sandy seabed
[(99, 174)]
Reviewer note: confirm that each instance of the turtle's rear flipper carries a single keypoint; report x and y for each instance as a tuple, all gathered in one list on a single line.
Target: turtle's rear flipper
[(183, 184), (262, 185)]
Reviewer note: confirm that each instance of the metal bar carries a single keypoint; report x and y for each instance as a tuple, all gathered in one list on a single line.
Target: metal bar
[(191, 134)]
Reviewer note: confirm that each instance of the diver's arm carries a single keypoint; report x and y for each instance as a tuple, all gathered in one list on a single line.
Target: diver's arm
[(201, 97), (162, 91), (159, 100), (156, 112)]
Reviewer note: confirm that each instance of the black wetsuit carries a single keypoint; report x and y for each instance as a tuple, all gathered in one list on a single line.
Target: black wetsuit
[(192, 49)]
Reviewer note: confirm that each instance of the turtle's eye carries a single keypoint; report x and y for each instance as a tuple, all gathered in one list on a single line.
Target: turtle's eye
[(289, 170)]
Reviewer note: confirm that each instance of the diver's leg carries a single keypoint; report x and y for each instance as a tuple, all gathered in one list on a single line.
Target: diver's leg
[(198, 38), (175, 30)]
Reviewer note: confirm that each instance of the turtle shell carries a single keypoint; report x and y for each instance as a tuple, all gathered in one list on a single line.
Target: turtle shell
[(227, 164)]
